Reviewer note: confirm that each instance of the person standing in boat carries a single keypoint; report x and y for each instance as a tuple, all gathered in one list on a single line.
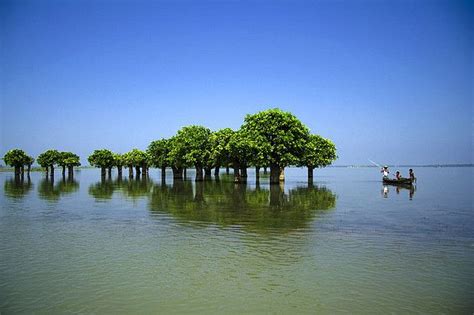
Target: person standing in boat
[(412, 175), (385, 171)]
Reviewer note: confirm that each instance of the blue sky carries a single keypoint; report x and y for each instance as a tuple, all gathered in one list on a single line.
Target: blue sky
[(385, 80)]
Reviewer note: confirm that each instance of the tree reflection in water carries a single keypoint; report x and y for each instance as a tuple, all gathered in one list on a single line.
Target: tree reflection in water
[(51, 190), (257, 209), (17, 187), (130, 188)]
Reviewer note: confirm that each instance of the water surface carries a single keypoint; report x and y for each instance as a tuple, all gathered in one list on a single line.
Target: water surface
[(344, 244)]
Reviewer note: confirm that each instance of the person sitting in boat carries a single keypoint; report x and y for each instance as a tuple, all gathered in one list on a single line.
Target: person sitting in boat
[(412, 175), (398, 176), (385, 171)]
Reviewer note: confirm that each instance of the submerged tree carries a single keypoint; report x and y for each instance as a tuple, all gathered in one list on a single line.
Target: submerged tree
[(102, 158), (29, 160), (16, 158), (220, 154), (176, 158), (279, 136), (241, 150), (193, 143), (69, 160), (158, 152), (119, 162), (138, 159), (320, 152), (48, 159)]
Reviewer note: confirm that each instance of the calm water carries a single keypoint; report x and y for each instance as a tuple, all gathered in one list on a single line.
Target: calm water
[(344, 245)]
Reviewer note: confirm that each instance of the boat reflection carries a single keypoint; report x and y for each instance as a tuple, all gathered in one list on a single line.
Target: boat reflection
[(398, 188)]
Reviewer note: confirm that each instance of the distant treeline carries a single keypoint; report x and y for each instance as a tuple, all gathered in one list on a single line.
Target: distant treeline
[(271, 139)]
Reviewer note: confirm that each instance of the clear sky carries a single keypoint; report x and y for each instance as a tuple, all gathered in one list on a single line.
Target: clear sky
[(387, 80)]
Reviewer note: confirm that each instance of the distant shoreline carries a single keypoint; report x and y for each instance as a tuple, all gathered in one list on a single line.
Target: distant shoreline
[(39, 169)]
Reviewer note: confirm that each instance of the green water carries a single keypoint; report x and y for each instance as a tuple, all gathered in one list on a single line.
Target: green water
[(144, 246)]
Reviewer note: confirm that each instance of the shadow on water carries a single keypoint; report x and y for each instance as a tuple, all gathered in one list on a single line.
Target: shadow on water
[(130, 188), (256, 209), (52, 190), (17, 187)]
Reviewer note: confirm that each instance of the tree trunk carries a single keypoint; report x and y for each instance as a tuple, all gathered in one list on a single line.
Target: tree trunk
[(52, 171), (163, 174), (144, 170), (110, 172), (276, 194), (265, 170), (102, 172), (64, 170), (199, 177), (257, 174), (310, 174), (243, 171), (177, 172), (216, 171), (282, 174), (227, 170), (207, 173), (70, 171), (119, 171), (274, 174), (17, 171), (237, 178), (47, 171), (137, 171), (28, 170), (199, 194), (185, 172), (22, 170), (130, 171)]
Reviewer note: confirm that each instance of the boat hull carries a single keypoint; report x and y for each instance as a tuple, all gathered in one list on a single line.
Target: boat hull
[(403, 181)]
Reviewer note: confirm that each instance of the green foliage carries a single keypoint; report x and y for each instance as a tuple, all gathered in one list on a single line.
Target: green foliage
[(219, 150), (279, 136), (175, 156), (320, 152), (119, 159), (16, 158), (135, 157), (241, 149), (158, 152), (29, 160), (49, 158), (68, 159), (192, 143), (101, 158)]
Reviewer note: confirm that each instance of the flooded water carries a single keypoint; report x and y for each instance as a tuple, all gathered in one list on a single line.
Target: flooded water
[(345, 244)]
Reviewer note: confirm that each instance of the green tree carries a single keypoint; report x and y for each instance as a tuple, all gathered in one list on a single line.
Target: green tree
[(102, 158), (29, 160), (241, 149), (137, 158), (193, 141), (280, 138), (175, 157), (69, 160), (15, 158), (158, 152), (48, 159), (220, 155), (320, 152), (119, 162)]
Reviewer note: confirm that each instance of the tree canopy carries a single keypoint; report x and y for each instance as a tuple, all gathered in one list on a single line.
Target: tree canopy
[(49, 158), (16, 158), (320, 152), (101, 158)]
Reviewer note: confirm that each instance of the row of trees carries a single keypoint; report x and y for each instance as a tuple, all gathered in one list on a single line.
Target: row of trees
[(271, 138), (19, 159)]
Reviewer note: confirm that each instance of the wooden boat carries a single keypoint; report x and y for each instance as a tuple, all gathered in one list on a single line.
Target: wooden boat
[(401, 181)]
